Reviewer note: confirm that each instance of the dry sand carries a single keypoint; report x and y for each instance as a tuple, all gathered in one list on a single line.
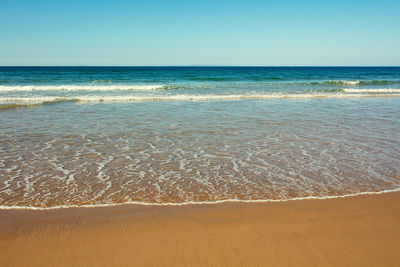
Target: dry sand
[(353, 231)]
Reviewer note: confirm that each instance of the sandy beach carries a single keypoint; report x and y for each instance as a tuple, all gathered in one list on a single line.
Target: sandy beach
[(352, 231)]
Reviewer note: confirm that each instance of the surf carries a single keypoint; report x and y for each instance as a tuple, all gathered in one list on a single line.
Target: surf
[(26, 88)]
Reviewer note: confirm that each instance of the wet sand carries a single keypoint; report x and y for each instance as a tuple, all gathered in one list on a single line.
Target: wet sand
[(353, 231)]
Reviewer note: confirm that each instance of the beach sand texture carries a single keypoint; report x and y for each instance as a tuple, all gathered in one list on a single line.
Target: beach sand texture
[(352, 231)]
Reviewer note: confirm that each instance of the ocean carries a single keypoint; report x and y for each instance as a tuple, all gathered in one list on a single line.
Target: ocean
[(97, 136)]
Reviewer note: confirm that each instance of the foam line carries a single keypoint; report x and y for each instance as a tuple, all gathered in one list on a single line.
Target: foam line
[(24, 88), (183, 97), (197, 203), (383, 90)]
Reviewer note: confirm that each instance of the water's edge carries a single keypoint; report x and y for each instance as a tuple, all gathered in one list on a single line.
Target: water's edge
[(193, 203)]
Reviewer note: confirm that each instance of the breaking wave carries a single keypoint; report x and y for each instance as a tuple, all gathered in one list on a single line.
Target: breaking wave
[(344, 93), (383, 90), (14, 88), (351, 83)]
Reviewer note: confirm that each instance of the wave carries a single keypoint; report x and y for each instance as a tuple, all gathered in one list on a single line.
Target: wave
[(215, 79), (237, 79), (334, 82), (106, 85), (184, 97), (353, 90), (36, 103), (200, 203), (383, 90), (288, 82), (351, 83), (378, 82), (16, 106), (144, 87), (102, 81)]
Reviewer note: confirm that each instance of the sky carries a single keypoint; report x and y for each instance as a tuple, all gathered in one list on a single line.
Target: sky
[(177, 33)]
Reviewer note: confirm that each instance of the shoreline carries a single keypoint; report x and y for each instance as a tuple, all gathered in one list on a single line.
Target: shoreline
[(216, 202), (361, 230)]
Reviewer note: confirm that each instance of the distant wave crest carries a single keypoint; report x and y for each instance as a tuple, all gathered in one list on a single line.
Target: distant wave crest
[(352, 83), (13, 88), (380, 90), (360, 91)]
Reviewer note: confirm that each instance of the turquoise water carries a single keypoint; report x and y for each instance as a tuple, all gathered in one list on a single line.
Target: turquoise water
[(38, 85), (96, 136)]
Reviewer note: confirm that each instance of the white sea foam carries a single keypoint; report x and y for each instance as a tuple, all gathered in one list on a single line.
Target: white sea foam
[(350, 82), (199, 202), (330, 82), (381, 90), (185, 97), (24, 88)]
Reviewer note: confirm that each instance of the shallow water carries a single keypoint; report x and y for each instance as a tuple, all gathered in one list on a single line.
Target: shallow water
[(65, 153)]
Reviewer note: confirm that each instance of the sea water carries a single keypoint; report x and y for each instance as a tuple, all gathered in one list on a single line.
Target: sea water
[(86, 136)]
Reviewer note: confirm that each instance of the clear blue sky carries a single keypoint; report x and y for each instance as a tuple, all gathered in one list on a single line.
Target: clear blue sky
[(201, 32)]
